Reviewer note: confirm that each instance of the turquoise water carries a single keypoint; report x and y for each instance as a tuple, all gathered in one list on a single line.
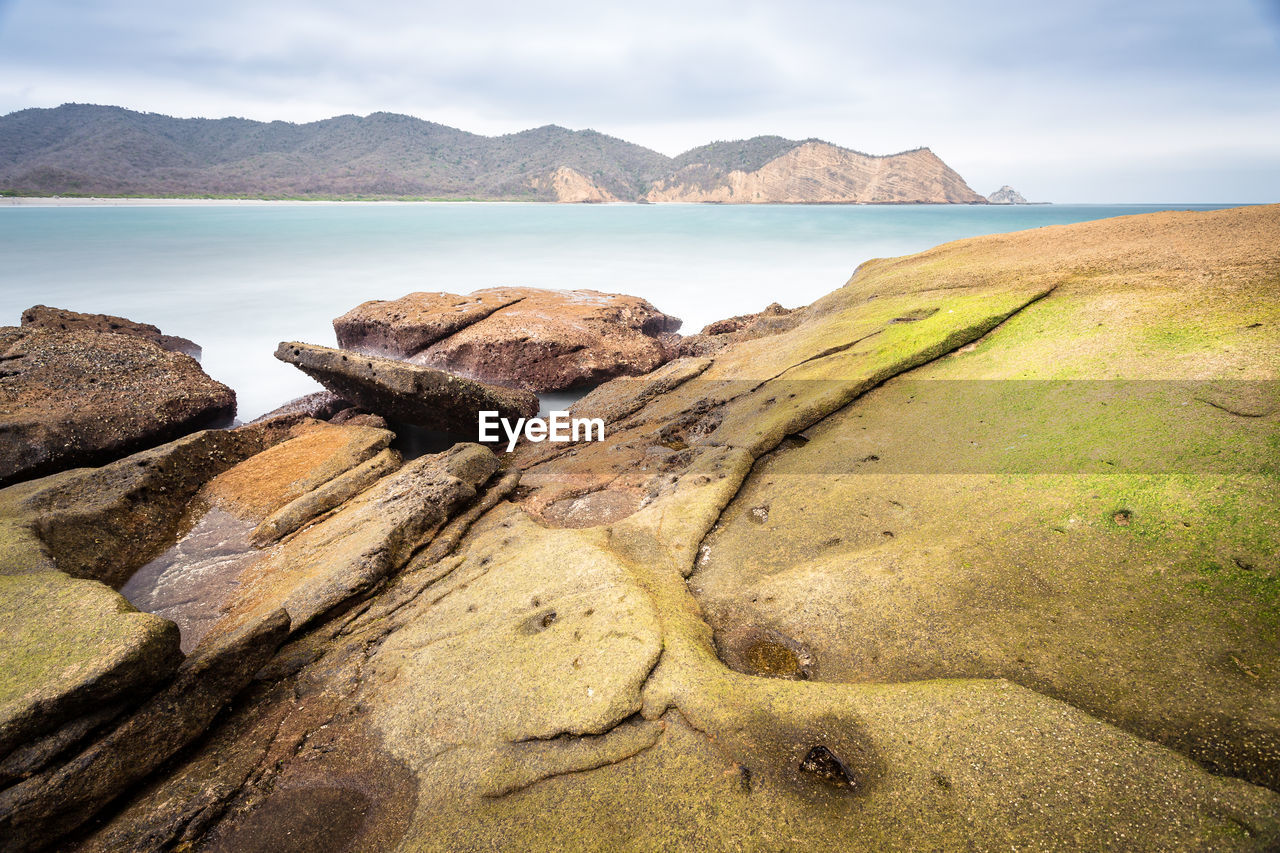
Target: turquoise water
[(238, 278)]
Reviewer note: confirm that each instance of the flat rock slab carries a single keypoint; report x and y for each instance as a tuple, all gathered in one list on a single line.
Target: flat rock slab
[(77, 398), (541, 340), (68, 645), (62, 320), (422, 396)]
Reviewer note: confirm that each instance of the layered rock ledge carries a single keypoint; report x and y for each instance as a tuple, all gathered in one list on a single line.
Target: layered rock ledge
[(423, 396), (975, 552)]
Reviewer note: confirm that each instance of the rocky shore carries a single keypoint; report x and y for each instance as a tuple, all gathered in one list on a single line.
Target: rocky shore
[(978, 551)]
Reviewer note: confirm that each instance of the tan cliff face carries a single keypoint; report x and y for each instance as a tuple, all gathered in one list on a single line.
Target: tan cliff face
[(819, 172), (572, 186)]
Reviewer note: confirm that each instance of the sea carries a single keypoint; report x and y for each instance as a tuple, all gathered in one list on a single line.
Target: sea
[(239, 277)]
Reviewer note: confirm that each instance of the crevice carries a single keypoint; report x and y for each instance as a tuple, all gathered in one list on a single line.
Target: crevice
[(478, 319), (537, 760), (1230, 410)]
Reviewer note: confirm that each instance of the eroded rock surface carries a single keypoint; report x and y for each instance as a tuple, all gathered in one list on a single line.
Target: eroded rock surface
[(62, 320), (747, 622), (84, 398), (522, 337), (422, 396)]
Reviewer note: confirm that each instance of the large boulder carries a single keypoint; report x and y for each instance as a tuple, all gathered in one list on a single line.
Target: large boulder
[(418, 395), (62, 320), (541, 340), (84, 398)]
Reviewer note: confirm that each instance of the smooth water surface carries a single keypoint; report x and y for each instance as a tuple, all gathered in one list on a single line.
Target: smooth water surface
[(239, 278)]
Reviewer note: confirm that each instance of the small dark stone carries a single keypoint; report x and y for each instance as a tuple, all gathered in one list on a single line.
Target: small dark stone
[(823, 764)]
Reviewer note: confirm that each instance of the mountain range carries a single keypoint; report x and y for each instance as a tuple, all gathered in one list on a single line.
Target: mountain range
[(90, 150)]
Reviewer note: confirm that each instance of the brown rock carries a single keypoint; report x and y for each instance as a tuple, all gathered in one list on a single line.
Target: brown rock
[(718, 335), (62, 320), (84, 398), (541, 340), (404, 327), (103, 523), (322, 405), (368, 538), (45, 807), (407, 392)]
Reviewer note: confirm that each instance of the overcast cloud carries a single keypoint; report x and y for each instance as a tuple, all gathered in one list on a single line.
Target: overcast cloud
[(1081, 101)]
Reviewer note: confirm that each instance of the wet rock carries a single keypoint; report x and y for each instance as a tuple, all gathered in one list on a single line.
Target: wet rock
[(824, 766), (69, 646), (287, 484), (422, 396), (358, 546), (62, 320), (762, 651), (85, 398), (103, 523), (43, 808), (540, 340)]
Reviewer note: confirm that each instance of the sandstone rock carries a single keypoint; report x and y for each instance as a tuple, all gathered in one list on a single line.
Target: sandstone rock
[(45, 807), (363, 542), (541, 340), (62, 320), (84, 398), (322, 405), (313, 454), (289, 483), (418, 395), (721, 333), (403, 327), (103, 523), (598, 688), (332, 494), (69, 646)]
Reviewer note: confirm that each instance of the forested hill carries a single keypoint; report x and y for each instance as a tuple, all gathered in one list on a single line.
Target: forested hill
[(82, 149)]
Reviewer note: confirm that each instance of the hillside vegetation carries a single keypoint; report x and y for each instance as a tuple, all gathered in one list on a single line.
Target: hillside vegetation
[(83, 149)]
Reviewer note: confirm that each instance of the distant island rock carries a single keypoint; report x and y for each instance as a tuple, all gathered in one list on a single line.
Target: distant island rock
[(88, 150), (1007, 195)]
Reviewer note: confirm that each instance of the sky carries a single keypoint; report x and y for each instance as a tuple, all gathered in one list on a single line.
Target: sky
[(1079, 101)]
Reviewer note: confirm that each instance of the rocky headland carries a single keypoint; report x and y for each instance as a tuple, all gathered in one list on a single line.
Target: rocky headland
[(1006, 195), (978, 551)]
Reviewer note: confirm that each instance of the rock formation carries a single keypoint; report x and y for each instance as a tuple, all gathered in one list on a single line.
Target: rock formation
[(417, 395), (976, 551), (72, 398), (720, 334), (523, 337), (817, 172), (1006, 195), (570, 186), (62, 320)]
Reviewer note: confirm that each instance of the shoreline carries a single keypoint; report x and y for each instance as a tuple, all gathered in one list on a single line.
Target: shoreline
[(130, 201)]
